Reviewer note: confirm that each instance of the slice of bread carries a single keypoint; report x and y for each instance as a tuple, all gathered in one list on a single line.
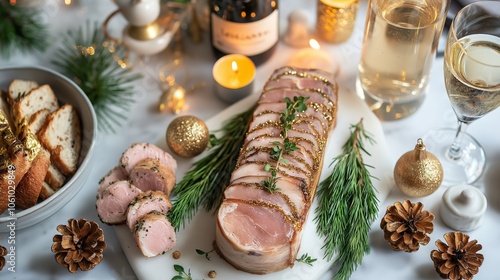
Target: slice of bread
[(19, 88), (54, 178), (45, 192), (28, 189), (62, 136), (37, 120), (37, 99)]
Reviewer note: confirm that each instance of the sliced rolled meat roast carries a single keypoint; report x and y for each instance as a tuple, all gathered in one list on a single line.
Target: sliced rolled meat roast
[(113, 203), (140, 151), (151, 174), (154, 234), (257, 230), (114, 175), (145, 203)]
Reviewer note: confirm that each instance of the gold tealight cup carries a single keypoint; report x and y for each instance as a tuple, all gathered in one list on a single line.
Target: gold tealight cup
[(233, 75)]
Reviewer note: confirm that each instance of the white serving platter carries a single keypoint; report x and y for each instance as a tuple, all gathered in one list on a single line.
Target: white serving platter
[(200, 232)]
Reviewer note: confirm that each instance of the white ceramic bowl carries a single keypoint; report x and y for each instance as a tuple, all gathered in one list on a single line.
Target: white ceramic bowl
[(68, 93)]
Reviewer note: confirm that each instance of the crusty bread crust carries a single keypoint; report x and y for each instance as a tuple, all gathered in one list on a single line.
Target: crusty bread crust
[(45, 192), (61, 135), (54, 177), (37, 99), (19, 88), (28, 189)]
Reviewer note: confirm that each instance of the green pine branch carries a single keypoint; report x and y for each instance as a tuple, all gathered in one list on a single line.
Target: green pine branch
[(347, 205), (20, 30), (204, 185), (92, 62)]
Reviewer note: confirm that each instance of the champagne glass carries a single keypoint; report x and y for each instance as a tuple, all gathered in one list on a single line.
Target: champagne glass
[(472, 80)]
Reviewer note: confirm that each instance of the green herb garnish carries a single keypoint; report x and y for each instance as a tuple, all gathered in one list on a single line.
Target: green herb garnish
[(206, 254), (205, 183), (347, 205), (305, 258), (285, 147), (183, 275)]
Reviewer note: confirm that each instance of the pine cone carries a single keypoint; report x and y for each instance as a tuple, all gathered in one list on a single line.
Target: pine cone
[(3, 253), (459, 258), (80, 245), (406, 226)]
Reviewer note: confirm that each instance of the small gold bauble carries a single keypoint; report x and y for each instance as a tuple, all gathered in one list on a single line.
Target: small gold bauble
[(187, 136), (418, 173)]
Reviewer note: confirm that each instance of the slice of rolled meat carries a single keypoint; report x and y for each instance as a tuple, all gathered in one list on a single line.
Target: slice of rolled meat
[(140, 151), (151, 174), (154, 234), (145, 203), (114, 175), (259, 231), (112, 205)]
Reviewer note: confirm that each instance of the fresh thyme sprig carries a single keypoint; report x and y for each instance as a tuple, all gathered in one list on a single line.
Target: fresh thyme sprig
[(182, 274), (94, 64), (206, 254), (205, 183), (286, 147), (347, 205), (21, 29)]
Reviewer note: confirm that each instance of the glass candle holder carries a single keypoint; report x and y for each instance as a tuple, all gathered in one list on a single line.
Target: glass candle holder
[(336, 19)]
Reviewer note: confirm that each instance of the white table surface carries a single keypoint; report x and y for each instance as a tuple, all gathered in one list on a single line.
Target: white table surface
[(34, 260)]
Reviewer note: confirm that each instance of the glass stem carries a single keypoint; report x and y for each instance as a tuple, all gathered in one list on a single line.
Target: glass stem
[(455, 151)]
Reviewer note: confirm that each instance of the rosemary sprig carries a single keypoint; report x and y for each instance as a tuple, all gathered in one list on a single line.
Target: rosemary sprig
[(21, 29), (305, 258), (286, 147), (205, 183), (94, 64), (347, 205)]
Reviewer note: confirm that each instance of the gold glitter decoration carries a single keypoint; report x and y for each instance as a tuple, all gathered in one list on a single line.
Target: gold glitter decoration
[(418, 173), (336, 19), (187, 136)]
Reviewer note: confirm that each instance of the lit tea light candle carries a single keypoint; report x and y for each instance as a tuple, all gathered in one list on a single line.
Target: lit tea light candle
[(233, 75), (313, 58)]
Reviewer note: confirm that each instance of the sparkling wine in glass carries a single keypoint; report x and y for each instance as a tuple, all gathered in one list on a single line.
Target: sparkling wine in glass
[(472, 80)]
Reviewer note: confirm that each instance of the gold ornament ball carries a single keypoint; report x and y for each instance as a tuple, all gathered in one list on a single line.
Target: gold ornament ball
[(418, 173), (187, 136)]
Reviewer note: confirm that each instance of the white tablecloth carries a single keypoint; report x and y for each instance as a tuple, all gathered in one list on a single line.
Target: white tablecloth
[(34, 260)]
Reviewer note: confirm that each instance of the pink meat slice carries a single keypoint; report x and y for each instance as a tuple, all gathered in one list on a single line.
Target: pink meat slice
[(255, 193), (293, 189), (112, 205), (258, 239), (140, 151), (114, 175), (277, 95), (144, 203), (154, 234), (264, 156), (152, 174)]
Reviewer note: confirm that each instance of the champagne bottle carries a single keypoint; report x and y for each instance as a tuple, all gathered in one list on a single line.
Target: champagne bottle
[(248, 27)]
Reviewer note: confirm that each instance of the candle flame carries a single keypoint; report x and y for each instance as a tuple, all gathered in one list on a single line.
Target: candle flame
[(234, 66), (314, 44)]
